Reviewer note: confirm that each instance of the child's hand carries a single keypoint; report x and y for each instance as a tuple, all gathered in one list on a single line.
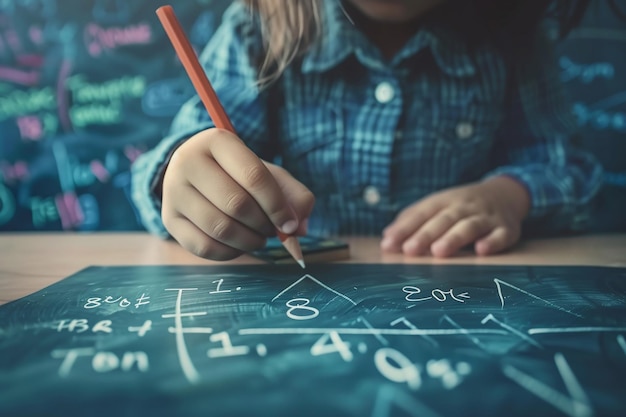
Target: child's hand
[(488, 214), (220, 199)]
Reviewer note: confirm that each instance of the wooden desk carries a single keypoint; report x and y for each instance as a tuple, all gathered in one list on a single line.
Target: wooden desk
[(29, 262)]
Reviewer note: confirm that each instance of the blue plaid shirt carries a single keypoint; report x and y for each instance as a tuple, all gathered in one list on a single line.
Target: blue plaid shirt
[(370, 136)]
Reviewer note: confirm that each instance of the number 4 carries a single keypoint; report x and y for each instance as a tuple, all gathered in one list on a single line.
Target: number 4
[(322, 347)]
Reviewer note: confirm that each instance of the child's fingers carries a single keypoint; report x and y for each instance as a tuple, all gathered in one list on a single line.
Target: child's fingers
[(299, 197), (464, 232), (243, 166), (228, 196), (405, 225), (193, 163), (198, 243), (434, 228), (215, 224), (496, 241)]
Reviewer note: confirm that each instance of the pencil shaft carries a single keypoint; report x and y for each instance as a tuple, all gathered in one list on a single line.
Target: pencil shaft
[(190, 62)]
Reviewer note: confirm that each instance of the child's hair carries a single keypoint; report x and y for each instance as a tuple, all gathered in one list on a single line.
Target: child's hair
[(291, 27)]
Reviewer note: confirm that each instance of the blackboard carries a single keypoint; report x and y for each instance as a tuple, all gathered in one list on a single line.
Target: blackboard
[(86, 87), (333, 340), (592, 61)]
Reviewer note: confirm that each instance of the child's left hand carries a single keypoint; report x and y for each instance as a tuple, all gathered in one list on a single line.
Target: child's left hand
[(488, 214)]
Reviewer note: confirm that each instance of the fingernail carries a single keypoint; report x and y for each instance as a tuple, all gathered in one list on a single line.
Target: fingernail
[(289, 227)]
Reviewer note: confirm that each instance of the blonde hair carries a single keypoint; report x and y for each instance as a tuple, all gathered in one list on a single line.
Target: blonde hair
[(288, 28)]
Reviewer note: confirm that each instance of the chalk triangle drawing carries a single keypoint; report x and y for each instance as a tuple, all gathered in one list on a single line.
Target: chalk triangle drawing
[(316, 281), (500, 283)]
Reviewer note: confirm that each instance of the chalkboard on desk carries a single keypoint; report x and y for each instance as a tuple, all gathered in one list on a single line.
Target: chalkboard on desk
[(334, 340)]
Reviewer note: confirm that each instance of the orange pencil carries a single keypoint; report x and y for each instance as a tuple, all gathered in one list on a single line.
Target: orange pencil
[(203, 87)]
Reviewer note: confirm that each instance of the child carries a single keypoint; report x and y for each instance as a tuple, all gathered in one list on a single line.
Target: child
[(436, 123)]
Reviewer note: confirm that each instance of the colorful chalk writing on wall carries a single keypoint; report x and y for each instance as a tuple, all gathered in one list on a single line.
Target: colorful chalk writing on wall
[(85, 88), (593, 70)]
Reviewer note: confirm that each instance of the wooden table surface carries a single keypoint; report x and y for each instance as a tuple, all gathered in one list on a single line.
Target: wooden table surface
[(32, 261)]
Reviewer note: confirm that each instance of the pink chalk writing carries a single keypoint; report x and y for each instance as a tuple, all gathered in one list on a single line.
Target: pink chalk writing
[(132, 153), (13, 40), (30, 60), (19, 77), (70, 211), (99, 39), (36, 35), (30, 127), (99, 171), (13, 172)]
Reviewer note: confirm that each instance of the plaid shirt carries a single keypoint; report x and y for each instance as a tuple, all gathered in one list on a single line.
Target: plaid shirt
[(370, 136)]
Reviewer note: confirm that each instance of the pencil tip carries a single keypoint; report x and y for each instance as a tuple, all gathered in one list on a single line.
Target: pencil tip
[(292, 245)]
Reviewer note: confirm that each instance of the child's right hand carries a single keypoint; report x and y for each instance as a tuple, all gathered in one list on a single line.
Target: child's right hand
[(220, 199)]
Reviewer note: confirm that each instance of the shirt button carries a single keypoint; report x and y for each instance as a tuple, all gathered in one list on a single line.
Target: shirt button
[(371, 195), (464, 130), (399, 135), (384, 92)]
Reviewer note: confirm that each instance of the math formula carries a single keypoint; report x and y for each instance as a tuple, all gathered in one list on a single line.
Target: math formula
[(378, 341)]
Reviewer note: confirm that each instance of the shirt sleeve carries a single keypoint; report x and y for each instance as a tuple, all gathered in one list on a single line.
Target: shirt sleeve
[(536, 145), (228, 60)]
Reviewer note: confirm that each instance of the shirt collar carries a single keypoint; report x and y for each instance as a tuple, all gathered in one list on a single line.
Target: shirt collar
[(342, 39)]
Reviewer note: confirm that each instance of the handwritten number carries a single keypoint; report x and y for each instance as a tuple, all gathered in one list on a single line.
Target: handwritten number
[(396, 367), (218, 289), (410, 291), (227, 348), (93, 302), (301, 304), (321, 347), (437, 294)]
